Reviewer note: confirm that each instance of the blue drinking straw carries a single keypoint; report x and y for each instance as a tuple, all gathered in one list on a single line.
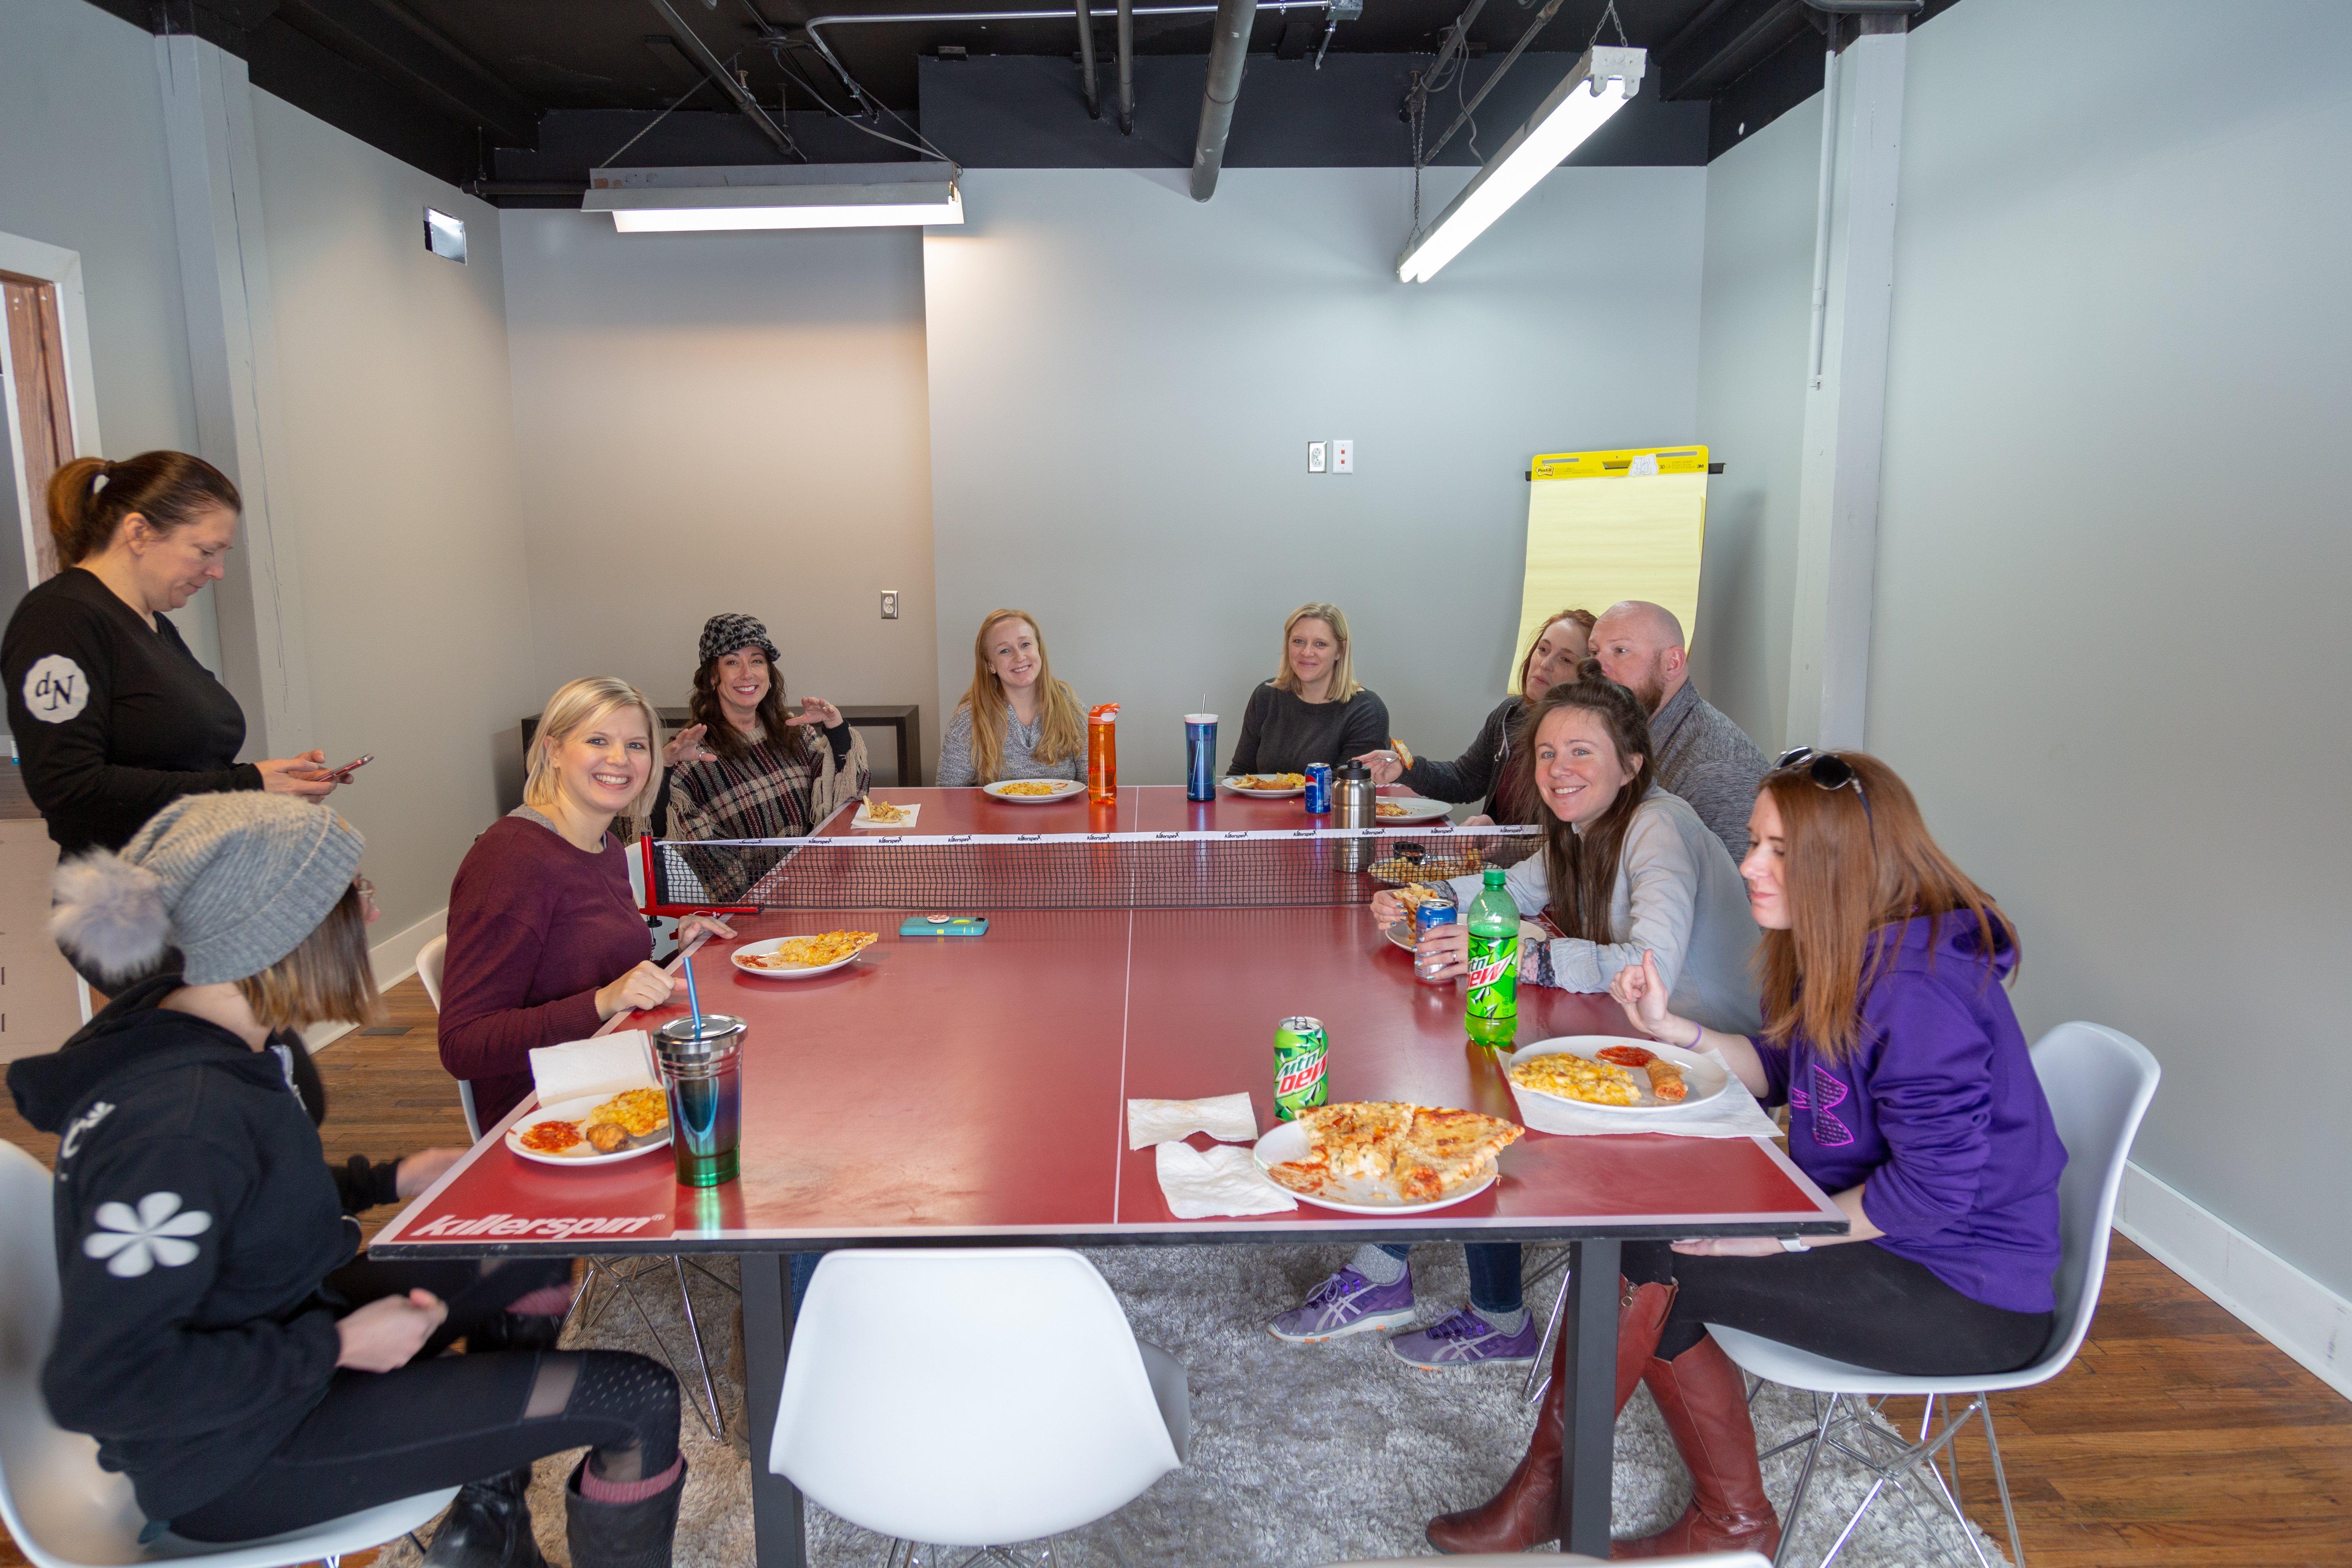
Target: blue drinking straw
[(693, 1001)]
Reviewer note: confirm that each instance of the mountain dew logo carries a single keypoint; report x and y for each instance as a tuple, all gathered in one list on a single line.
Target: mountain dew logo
[(1493, 976)]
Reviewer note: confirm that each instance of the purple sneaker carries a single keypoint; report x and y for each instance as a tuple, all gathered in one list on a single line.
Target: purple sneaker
[(1347, 1303), (1466, 1339)]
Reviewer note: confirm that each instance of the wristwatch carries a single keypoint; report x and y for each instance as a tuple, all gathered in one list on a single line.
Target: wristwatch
[(1795, 1243)]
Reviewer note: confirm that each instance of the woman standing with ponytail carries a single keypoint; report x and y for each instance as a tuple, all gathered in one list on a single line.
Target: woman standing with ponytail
[(115, 719)]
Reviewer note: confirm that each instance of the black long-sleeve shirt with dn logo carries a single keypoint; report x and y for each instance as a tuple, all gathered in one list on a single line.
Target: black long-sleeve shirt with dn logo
[(113, 720)]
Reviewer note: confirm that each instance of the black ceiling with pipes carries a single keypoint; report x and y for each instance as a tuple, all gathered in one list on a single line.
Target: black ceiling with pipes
[(518, 99)]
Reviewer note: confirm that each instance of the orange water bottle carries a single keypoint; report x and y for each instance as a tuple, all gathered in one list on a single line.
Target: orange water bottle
[(1102, 754)]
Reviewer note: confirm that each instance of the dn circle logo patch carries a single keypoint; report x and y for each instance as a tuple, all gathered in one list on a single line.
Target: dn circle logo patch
[(55, 689)]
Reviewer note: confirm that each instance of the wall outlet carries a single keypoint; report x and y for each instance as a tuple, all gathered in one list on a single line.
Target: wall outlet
[(1343, 456), (890, 603), (1314, 457)]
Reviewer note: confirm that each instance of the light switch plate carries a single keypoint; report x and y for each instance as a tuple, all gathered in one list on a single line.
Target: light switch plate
[(1314, 457), (890, 603), (1343, 456)]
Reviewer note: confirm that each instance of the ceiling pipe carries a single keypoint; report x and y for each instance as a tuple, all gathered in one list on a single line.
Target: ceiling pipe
[(1228, 52), (1087, 60), (813, 28), (1127, 67), (699, 53)]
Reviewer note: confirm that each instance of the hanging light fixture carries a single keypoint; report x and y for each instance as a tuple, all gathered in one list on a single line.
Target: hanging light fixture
[(776, 195), (1599, 85)]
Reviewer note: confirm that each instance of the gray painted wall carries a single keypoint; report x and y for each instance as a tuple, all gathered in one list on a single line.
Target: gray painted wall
[(83, 165), (1123, 384), (723, 422), (401, 482), (2111, 557), (1754, 331)]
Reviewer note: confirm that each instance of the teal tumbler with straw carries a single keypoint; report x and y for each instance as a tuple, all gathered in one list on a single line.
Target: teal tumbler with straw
[(701, 1069)]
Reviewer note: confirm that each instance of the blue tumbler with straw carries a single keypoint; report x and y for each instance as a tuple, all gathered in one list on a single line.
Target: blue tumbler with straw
[(1200, 756)]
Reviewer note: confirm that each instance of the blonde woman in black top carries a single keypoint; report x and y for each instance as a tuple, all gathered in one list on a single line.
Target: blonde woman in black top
[(113, 717)]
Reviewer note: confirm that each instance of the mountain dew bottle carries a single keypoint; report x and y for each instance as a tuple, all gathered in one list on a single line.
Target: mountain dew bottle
[(1494, 922)]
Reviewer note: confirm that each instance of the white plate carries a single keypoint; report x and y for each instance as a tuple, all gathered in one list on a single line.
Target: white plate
[(770, 945), (572, 1110), (904, 824), (1417, 809), (1062, 790), (1400, 933), (1706, 1075), (1230, 783), (1287, 1142)]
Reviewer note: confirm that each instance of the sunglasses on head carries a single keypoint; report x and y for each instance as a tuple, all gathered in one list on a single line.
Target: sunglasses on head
[(1826, 771)]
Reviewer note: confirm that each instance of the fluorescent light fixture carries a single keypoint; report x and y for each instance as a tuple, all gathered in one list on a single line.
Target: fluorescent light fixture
[(444, 236), (775, 196), (1596, 89)]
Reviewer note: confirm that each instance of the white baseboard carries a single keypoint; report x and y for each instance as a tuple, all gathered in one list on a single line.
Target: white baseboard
[(393, 960), (2268, 1294)]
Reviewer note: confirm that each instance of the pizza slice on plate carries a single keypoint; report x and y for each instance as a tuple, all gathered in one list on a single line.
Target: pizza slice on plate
[(1444, 1150), (1359, 1139)]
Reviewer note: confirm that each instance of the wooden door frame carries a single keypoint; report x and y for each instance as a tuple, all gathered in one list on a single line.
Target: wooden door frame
[(62, 267)]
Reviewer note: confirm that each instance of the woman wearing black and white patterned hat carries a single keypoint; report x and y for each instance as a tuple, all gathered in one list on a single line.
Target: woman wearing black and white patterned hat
[(745, 767)]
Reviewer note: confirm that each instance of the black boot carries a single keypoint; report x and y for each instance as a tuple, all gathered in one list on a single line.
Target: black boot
[(512, 1331), (621, 1534), (487, 1526)]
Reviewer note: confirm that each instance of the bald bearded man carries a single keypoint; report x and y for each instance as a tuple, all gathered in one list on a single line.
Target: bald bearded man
[(1702, 756)]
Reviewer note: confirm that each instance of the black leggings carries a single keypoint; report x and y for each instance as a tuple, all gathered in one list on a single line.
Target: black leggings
[(1856, 1302), (442, 1421)]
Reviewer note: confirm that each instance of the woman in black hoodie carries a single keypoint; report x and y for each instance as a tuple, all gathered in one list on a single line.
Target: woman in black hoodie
[(227, 1353)]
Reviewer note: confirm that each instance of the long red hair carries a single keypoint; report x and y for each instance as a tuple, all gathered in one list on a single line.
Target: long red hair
[(1849, 868)]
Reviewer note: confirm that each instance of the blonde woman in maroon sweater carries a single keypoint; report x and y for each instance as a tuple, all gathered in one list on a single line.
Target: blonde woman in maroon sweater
[(545, 939)]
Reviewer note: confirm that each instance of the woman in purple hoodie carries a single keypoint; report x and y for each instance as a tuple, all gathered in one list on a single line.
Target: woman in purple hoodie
[(1912, 1101)]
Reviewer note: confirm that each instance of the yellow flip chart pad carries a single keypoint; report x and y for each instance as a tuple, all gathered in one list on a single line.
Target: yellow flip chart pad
[(1607, 526)]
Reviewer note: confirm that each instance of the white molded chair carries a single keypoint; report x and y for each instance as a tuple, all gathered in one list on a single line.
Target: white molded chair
[(429, 960), (2099, 1083), (1027, 1409), (62, 1508)]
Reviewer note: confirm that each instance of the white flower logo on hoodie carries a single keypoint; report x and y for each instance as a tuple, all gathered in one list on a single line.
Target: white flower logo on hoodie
[(132, 1242)]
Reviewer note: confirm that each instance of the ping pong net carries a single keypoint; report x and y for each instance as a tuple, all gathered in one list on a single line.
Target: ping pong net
[(1070, 871)]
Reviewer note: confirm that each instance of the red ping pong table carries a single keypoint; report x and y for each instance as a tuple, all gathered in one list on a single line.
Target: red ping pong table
[(960, 1091)]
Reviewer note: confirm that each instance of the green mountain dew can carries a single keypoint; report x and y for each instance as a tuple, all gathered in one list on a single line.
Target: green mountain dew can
[(1302, 1078)]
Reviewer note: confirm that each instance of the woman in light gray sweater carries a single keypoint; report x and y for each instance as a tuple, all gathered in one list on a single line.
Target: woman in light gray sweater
[(1016, 721), (1626, 869)]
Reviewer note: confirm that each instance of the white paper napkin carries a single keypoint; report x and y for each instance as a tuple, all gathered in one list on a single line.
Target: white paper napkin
[(1225, 1180), (1226, 1117), (603, 1066), (904, 824), (1734, 1113)]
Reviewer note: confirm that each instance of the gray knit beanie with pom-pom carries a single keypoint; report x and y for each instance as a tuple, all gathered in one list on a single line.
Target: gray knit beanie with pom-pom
[(234, 881)]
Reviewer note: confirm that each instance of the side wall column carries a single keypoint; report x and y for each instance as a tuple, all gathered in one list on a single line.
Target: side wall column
[(233, 357), (1845, 410)]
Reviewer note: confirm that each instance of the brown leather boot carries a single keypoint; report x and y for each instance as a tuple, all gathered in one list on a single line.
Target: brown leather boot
[(1704, 1398), (1525, 1512)]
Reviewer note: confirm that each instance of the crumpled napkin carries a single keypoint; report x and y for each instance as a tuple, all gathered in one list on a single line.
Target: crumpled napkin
[(604, 1066), (1226, 1117), (1734, 1113), (1224, 1181)]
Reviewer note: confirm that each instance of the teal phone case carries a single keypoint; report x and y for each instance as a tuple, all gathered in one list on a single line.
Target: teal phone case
[(952, 925)]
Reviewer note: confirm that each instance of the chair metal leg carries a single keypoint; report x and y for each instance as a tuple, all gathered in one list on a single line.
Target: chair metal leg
[(715, 1280), (1804, 1480), (2001, 1480), (1540, 1374), (685, 1299)]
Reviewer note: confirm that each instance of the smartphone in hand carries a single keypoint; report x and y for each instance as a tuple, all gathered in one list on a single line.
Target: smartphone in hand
[(344, 775)]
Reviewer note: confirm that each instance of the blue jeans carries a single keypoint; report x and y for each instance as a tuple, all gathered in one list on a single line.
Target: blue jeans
[(1494, 1273), (802, 1266)]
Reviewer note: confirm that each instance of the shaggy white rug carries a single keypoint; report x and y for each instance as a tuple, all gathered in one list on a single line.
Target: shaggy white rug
[(1301, 1455)]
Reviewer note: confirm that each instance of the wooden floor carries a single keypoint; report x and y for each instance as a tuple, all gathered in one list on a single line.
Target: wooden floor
[(2179, 1437)]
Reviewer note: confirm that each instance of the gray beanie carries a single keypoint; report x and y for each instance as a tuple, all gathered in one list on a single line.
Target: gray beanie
[(234, 881)]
